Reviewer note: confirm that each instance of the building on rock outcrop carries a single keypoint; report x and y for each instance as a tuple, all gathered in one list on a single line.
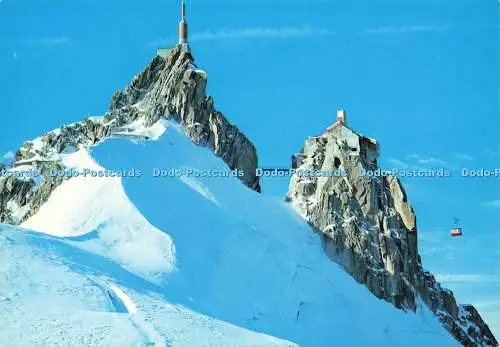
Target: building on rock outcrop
[(369, 227)]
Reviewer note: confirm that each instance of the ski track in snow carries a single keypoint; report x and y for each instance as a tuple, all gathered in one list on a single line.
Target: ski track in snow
[(53, 294), (186, 262), (126, 300), (137, 318)]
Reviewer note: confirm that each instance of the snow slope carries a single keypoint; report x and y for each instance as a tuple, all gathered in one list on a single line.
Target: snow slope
[(96, 215), (54, 294), (193, 261)]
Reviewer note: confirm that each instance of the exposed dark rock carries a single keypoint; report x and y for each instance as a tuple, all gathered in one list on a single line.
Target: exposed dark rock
[(168, 87), (369, 227), (172, 87), (367, 223), (15, 192)]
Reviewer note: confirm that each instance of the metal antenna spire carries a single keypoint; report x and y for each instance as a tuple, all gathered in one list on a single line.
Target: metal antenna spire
[(183, 27)]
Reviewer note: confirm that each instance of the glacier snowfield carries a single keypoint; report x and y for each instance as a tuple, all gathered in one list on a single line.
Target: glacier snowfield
[(182, 261)]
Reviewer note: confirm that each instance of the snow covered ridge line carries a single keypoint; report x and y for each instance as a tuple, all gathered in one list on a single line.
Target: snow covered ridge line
[(369, 227), (41, 155), (27, 181), (167, 88), (39, 167), (171, 87), (236, 256), (374, 238)]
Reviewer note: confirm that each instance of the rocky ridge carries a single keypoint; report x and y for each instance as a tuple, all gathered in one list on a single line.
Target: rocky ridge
[(367, 224), (170, 87), (369, 227)]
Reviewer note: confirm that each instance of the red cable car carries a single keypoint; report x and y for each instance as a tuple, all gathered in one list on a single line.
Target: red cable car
[(456, 231)]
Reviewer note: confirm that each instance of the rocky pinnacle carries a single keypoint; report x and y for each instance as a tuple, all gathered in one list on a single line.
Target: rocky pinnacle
[(174, 88), (369, 227), (171, 87), (366, 223)]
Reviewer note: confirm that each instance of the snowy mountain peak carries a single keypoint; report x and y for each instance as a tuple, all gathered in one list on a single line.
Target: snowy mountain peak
[(173, 87), (369, 227), (134, 259), (181, 261), (170, 87)]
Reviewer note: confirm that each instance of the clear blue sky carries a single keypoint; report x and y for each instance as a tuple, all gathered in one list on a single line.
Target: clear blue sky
[(419, 76)]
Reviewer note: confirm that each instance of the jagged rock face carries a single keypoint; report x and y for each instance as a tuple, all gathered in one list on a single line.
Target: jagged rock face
[(168, 87), (358, 214), (22, 193), (14, 192), (174, 88), (367, 223), (369, 227)]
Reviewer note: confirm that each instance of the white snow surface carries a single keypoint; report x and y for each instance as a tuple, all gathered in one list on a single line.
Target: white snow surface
[(54, 294), (95, 214), (191, 261)]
